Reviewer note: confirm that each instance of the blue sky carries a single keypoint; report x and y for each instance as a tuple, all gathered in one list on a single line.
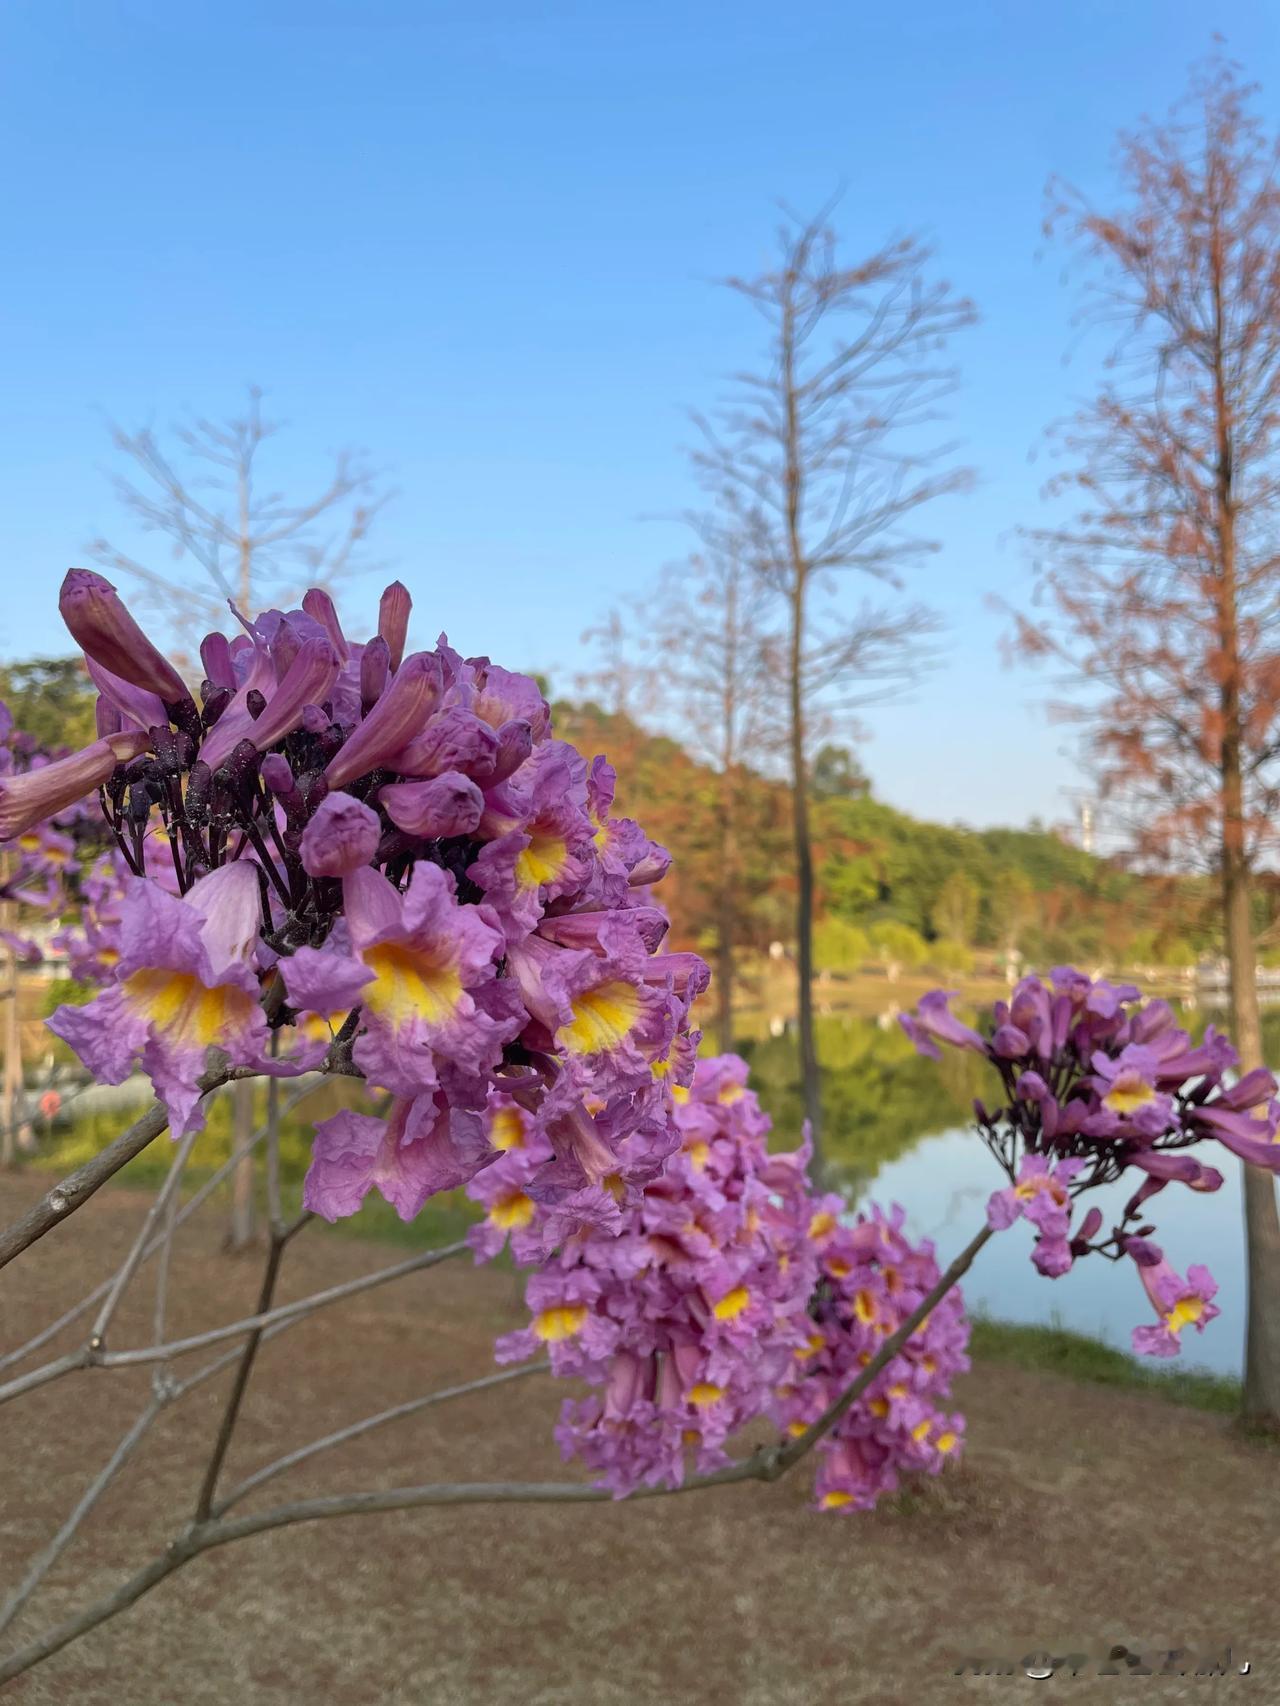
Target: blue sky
[(480, 241)]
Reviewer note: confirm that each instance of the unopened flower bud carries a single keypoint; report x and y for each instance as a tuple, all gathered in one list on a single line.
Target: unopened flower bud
[(104, 630), (446, 805), (37, 794), (341, 837), (198, 790), (375, 667), (215, 655), (319, 606), (1144, 1253), (216, 703), (393, 620), (392, 723), (276, 773)]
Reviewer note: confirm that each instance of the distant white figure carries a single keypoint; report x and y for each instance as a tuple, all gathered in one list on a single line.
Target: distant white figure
[(1086, 827)]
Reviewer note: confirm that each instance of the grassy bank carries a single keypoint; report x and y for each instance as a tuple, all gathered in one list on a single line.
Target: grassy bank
[(1058, 1351)]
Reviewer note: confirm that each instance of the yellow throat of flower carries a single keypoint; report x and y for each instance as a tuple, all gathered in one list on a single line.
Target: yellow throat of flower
[(602, 1018), (564, 1321), (506, 1129), (703, 1394), (1185, 1313), (513, 1211), (1128, 1098), (406, 985), (732, 1304)]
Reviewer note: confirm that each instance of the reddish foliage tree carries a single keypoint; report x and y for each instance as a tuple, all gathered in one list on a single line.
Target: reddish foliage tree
[(1163, 593)]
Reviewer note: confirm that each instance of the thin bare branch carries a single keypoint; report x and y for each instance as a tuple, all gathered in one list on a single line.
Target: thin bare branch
[(282, 1312), (248, 1356), (766, 1464), (160, 1205), (397, 1413), (189, 1208), (75, 1190), (252, 546), (45, 1559), (67, 1364)]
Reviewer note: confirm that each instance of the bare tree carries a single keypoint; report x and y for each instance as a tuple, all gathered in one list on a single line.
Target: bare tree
[(623, 681), (250, 546), (693, 657), (717, 650), (825, 453), (1163, 595), (249, 543)]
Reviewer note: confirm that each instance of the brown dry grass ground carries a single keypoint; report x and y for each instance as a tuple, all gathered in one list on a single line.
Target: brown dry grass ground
[(1079, 1516)]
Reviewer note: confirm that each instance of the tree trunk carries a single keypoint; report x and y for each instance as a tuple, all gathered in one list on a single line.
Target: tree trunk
[(1261, 1407), (810, 1077), (240, 1224), (724, 988), (240, 1227), (11, 1101), (1261, 1400), (726, 971), (1261, 1397), (726, 923), (726, 928), (809, 1073)]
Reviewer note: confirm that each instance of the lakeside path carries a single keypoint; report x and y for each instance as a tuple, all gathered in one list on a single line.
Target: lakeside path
[(1080, 1516)]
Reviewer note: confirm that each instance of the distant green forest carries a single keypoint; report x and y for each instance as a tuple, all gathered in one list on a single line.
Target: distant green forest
[(893, 890)]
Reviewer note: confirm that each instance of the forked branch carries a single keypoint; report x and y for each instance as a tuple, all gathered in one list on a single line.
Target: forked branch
[(768, 1463)]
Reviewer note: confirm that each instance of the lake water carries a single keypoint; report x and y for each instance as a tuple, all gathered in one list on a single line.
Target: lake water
[(896, 1133)]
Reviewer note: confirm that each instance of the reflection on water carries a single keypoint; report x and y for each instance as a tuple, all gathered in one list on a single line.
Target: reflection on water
[(896, 1131), (880, 1098)]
